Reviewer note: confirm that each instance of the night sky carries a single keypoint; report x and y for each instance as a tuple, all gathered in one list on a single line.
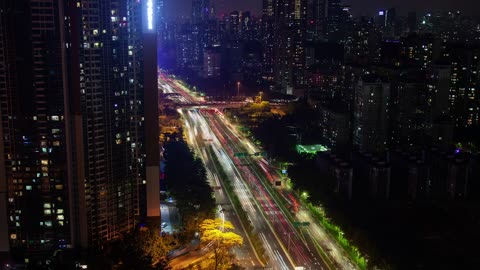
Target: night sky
[(178, 8)]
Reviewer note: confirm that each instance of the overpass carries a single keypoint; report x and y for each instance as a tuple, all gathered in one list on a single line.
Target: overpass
[(212, 104)]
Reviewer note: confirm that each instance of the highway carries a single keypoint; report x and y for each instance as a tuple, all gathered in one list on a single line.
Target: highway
[(207, 144), (269, 209)]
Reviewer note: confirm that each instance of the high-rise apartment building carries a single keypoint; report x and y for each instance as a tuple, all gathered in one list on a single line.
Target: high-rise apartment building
[(201, 11), (289, 40), (77, 91), (247, 26), (334, 16), (316, 19), (268, 21), (212, 63), (464, 100), (234, 25), (185, 45), (371, 108), (338, 21), (34, 137)]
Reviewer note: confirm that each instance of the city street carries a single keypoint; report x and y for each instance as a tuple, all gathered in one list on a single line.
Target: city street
[(197, 124), (170, 217), (287, 246)]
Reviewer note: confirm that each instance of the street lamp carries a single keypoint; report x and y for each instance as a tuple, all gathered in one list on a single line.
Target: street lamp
[(238, 88), (222, 214)]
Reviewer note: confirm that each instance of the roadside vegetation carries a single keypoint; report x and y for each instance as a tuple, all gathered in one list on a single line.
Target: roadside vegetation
[(186, 182), (295, 126), (242, 215), (219, 236)]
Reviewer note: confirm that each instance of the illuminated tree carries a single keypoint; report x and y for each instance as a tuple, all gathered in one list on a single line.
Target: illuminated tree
[(218, 236), (153, 245)]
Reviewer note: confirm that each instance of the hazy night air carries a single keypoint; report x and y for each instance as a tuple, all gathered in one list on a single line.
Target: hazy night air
[(359, 7)]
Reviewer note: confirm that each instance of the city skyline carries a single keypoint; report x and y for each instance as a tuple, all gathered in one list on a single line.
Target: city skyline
[(273, 134), (359, 8)]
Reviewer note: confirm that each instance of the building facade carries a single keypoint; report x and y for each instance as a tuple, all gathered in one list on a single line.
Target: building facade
[(73, 157), (371, 106)]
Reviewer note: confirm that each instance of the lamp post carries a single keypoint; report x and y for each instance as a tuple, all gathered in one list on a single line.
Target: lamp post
[(304, 195), (238, 88), (222, 214)]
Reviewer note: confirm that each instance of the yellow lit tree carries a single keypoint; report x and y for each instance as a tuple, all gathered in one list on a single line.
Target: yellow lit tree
[(218, 236)]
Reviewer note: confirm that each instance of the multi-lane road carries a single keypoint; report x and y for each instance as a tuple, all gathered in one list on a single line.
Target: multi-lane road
[(269, 209)]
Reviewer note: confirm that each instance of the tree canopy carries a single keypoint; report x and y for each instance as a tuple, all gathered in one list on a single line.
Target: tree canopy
[(218, 235), (186, 181)]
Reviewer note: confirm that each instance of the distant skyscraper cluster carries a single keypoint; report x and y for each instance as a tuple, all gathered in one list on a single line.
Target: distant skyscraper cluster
[(73, 91), (285, 48), (407, 81)]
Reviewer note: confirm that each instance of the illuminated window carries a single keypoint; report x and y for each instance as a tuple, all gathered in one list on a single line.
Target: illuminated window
[(44, 161), (55, 118), (47, 212), (48, 223)]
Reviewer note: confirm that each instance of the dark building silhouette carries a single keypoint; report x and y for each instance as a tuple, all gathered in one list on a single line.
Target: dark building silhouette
[(316, 20), (371, 105)]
